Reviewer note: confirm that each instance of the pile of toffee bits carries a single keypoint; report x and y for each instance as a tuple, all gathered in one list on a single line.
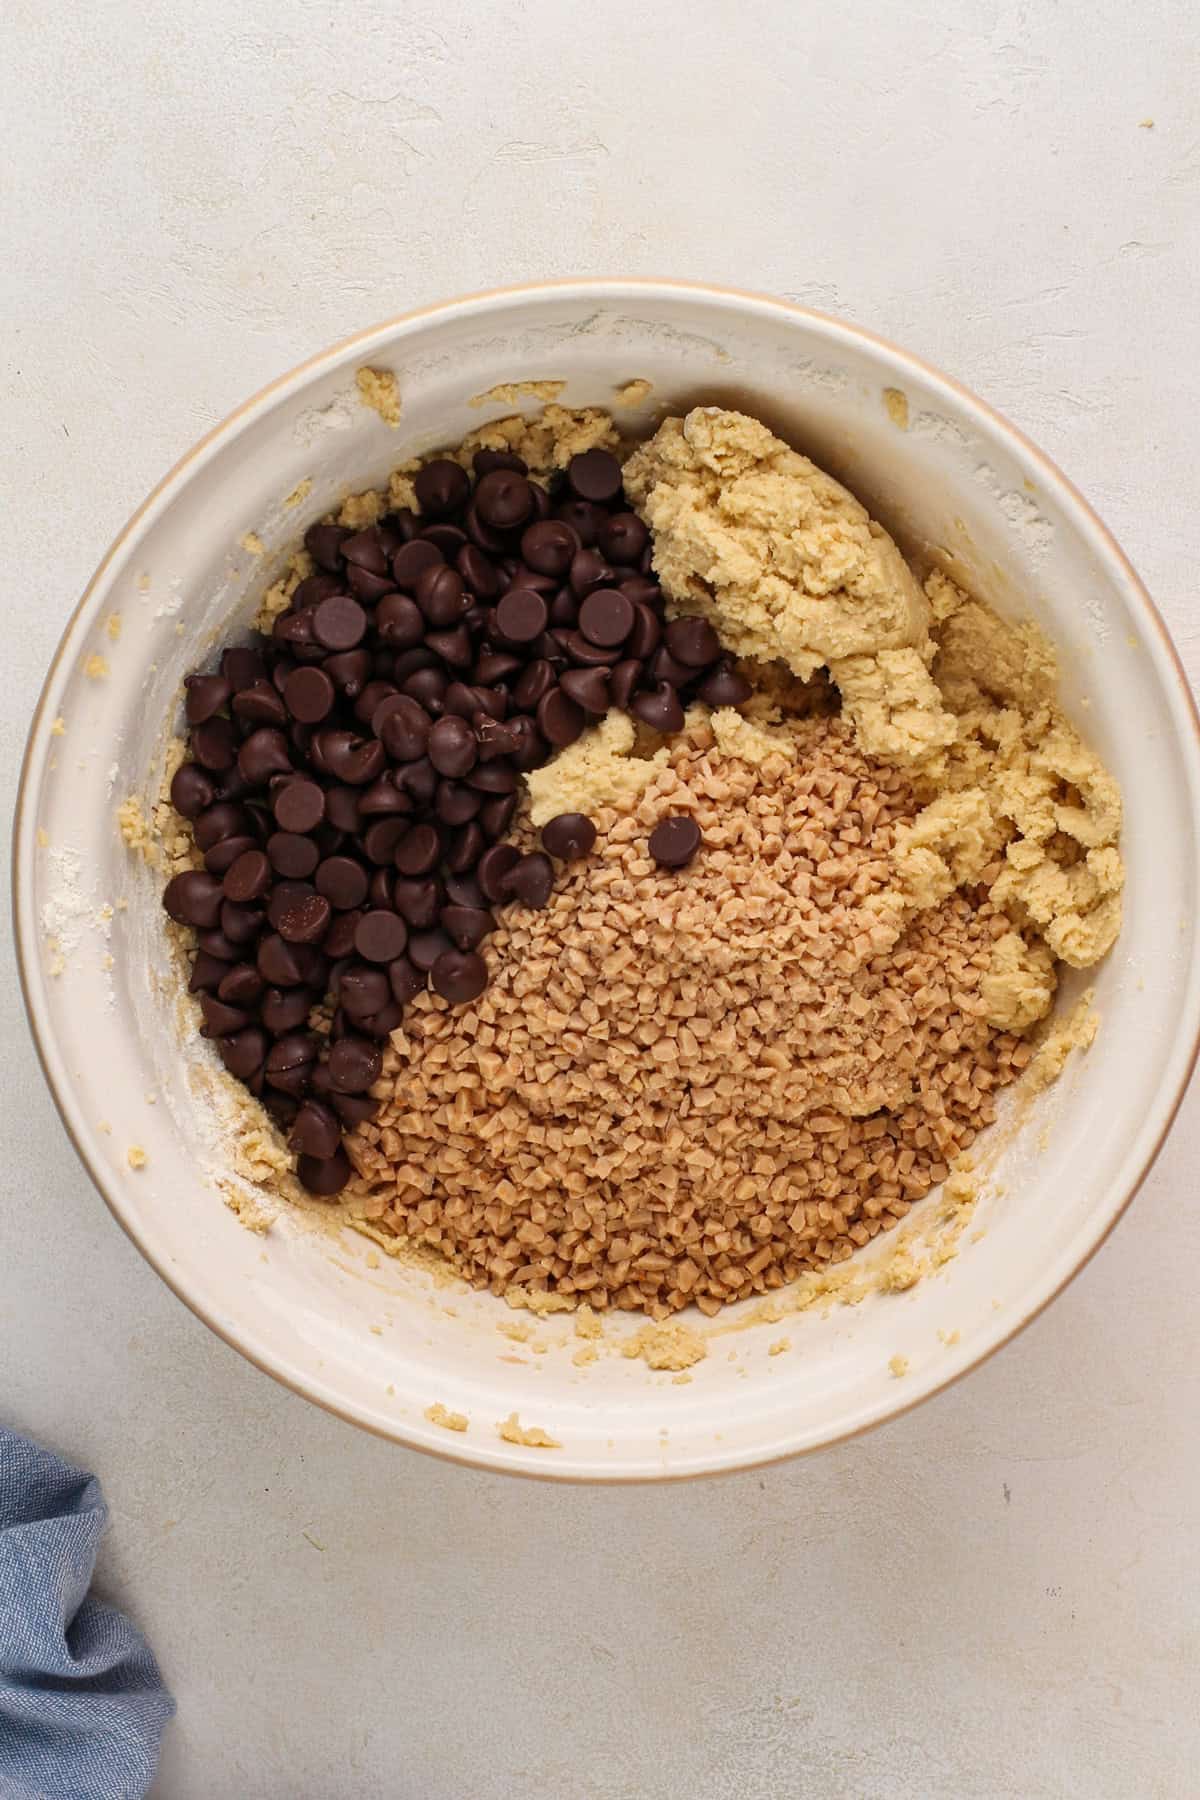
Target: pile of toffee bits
[(354, 775)]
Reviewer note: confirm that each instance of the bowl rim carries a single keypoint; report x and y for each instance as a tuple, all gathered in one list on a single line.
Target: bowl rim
[(1087, 520)]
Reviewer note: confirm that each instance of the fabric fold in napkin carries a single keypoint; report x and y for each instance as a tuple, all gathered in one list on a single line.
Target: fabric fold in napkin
[(82, 1703)]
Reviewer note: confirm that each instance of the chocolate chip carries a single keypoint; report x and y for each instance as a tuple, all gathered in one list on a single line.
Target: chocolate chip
[(405, 981), (419, 779), (316, 1131), (339, 939), (313, 589), (497, 814), (362, 990), (242, 665), (350, 759), (589, 570), (382, 799), (724, 686), (585, 520), (549, 546), (365, 550), (309, 695), (380, 890), (664, 667), (693, 642), (484, 461), (214, 744), (588, 688), (560, 720), (535, 680), (646, 634), (260, 703), (530, 880), (441, 487), (467, 926), (341, 809), (595, 475), (285, 1009), (623, 538), (660, 710), (568, 836), (349, 670), (419, 850), (342, 881), (494, 866), (454, 647), (456, 803), (244, 1053), (521, 615), (411, 560), (299, 805), (354, 1065), (279, 963), (241, 986), (192, 791), (465, 848), (324, 545), (206, 973), (324, 1176), (674, 841), (441, 596), (584, 654), (305, 922), (339, 623), (193, 898), (380, 936), (448, 538), (459, 976), (479, 573), (221, 858), (424, 948), (240, 924), (402, 725), (291, 855), (221, 1020), (224, 820), (215, 943), (206, 695), (622, 683), (264, 753), (382, 839), (606, 617), (452, 748), (248, 878), (503, 499)]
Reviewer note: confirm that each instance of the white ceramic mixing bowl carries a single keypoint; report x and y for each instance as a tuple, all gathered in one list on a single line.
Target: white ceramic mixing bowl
[(381, 1344)]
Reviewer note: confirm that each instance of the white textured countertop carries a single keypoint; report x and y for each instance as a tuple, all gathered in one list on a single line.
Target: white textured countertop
[(995, 1596)]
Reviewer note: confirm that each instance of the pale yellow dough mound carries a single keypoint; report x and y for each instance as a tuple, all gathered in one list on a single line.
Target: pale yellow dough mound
[(792, 571)]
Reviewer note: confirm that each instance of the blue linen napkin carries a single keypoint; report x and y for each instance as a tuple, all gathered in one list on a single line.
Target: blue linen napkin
[(82, 1704)]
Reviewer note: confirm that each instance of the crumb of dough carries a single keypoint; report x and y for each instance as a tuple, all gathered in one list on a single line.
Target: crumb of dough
[(1145, 124), (143, 582), (105, 1127), (377, 389), (299, 493), (136, 1157), (252, 544), (668, 1346), (508, 393), (279, 594), (602, 768), (532, 1436), (588, 1324), (898, 1365), (586, 1353), (1077, 1031), (96, 668), (632, 393), (112, 626), (896, 402), (437, 1414), (58, 727), (360, 510), (901, 1271), (136, 831), (43, 837), (245, 1209), (779, 1346), (518, 1331), (948, 1337)]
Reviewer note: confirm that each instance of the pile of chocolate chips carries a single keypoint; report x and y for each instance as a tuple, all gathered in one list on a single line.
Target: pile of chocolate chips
[(354, 775)]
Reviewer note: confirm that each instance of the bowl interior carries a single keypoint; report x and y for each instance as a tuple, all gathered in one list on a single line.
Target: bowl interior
[(381, 1342)]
